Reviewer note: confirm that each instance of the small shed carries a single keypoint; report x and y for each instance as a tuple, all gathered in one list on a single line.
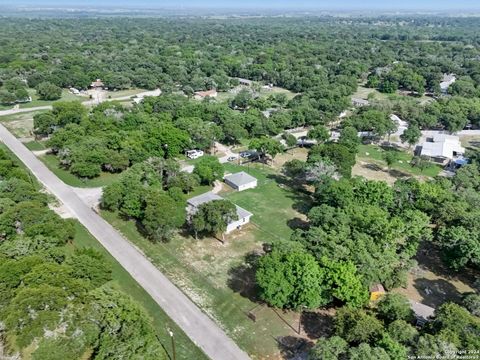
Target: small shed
[(423, 313), (241, 181), (245, 82), (376, 292)]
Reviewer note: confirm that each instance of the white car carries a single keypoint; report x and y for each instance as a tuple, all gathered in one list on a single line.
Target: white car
[(194, 154)]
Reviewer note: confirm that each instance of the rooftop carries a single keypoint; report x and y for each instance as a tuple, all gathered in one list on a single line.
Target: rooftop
[(421, 311), (240, 178), (212, 92), (209, 196), (443, 145)]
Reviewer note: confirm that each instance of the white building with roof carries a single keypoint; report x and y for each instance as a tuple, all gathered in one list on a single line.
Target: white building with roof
[(423, 313), (442, 146), (240, 181), (243, 215), (447, 80)]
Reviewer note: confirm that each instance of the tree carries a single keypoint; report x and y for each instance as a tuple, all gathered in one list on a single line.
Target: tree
[(89, 264), (267, 146), (340, 155), (343, 282), (242, 99), (472, 303), (213, 217), (208, 169), (403, 332), (127, 331), (395, 307), (420, 162), (48, 91), (390, 157), (461, 244), (349, 138), (411, 135), (319, 133), (290, 140), (44, 123), (366, 352), (357, 326), (291, 280), (162, 215), (328, 349)]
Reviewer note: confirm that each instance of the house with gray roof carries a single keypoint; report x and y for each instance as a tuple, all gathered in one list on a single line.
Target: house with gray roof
[(241, 181), (243, 215), (423, 313)]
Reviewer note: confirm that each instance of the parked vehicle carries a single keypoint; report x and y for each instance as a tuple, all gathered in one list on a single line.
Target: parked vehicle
[(194, 154), (232, 158)]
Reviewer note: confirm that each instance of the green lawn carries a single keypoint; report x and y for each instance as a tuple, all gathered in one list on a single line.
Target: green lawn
[(213, 275), (375, 155), (184, 347), (273, 205), (66, 96), (68, 178), (35, 145)]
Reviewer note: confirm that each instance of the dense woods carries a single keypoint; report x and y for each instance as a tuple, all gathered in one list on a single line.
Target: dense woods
[(356, 233), (56, 302)]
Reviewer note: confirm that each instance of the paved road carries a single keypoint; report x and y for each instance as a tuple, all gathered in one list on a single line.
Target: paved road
[(137, 98), (198, 326)]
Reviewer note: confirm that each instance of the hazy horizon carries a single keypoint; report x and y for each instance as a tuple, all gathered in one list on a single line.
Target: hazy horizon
[(432, 5)]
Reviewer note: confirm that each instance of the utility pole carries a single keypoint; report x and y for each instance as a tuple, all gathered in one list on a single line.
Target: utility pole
[(173, 344)]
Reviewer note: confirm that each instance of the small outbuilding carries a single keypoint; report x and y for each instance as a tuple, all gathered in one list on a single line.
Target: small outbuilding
[(423, 313), (358, 102), (97, 84), (245, 82), (241, 181), (376, 292), (204, 94)]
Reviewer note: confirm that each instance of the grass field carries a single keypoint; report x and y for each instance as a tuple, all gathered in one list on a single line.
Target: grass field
[(35, 145), (217, 277), (374, 154), (121, 279), (68, 178), (21, 124)]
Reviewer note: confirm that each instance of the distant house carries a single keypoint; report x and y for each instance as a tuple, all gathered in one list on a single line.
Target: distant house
[(245, 82), (442, 147), (204, 94), (357, 102), (447, 80), (243, 215), (240, 181), (376, 292), (97, 84), (423, 313)]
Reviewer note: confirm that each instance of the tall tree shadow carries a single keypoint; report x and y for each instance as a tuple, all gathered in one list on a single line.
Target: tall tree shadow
[(316, 324), (293, 347), (242, 277), (436, 292)]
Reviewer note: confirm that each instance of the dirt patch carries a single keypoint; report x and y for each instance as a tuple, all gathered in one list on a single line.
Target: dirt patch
[(297, 153), (432, 283), (372, 171)]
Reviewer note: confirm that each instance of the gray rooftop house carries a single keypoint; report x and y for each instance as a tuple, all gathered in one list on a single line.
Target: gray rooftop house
[(243, 215), (245, 82), (240, 181), (423, 313)]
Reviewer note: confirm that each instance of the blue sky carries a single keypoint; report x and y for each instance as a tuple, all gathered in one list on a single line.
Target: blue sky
[(320, 4)]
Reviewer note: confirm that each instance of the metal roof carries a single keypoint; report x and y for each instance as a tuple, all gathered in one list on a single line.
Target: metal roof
[(442, 146), (240, 178), (209, 196)]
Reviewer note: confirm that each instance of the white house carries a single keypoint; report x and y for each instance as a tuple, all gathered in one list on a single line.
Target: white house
[(447, 80), (241, 181), (442, 146), (423, 313), (243, 215)]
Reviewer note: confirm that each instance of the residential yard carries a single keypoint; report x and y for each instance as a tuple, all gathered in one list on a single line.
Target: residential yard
[(370, 164), (432, 283), (220, 277), (185, 349), (20, 125), (68, 178)]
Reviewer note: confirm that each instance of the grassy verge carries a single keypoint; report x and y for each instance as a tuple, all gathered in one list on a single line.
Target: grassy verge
[(185, 349), (35, 145), (374, 154), (51, 161)]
